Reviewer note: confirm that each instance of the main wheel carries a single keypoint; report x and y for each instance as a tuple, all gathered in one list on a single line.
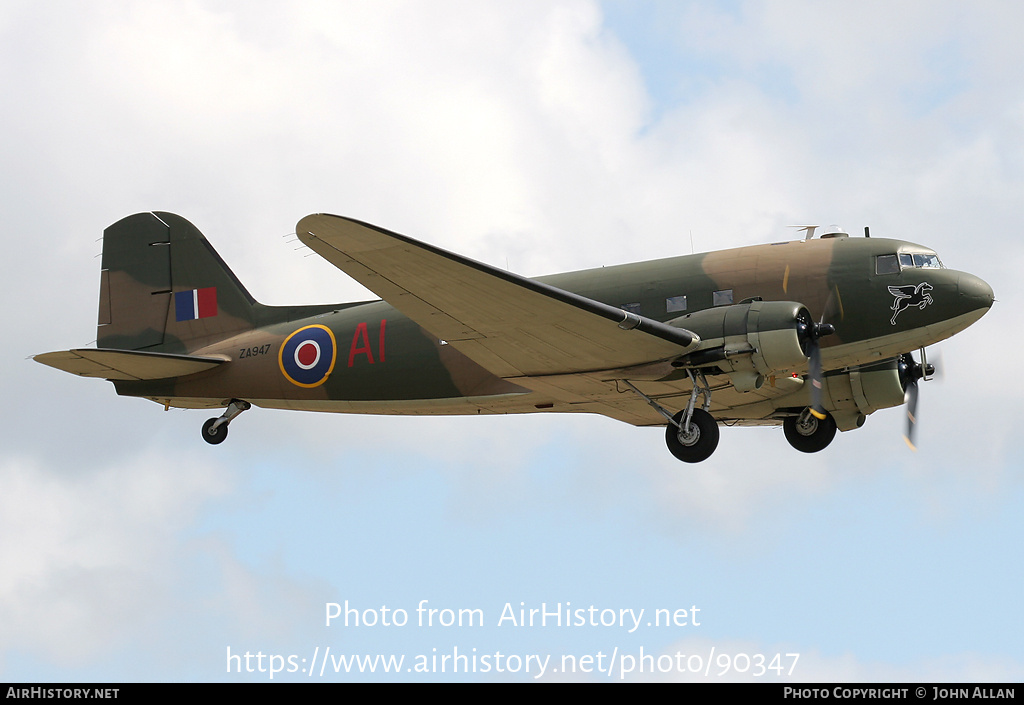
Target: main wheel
[(696, 443), (809, 434), (214, 435)]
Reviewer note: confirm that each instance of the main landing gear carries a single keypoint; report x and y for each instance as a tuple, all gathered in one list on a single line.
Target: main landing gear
[(692, 434), (807, 433), (694, 441), (216, 430)]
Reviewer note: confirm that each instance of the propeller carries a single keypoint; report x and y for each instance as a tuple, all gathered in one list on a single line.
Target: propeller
[(810, 332), (910, 372)]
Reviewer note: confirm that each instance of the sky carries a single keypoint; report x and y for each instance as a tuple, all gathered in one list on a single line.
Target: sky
[(542, 137)]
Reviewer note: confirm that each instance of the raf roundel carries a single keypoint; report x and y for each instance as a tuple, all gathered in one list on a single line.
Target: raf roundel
[(308, 355)]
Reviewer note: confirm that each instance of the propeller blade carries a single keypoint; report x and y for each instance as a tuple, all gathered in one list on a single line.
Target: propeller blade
[(833, 307), (810, 332), (814, 375), (911, 373), (910, 398)]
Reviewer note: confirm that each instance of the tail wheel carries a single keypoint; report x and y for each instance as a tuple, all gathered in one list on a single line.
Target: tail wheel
[(696, 442), (809, 434), (213, 435)]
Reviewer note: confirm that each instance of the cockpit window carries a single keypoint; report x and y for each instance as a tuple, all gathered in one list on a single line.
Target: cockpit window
[(891, 264), (927, 261)]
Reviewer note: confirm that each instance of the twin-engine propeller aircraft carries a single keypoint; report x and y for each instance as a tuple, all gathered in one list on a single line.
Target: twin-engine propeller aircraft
[(813, 334)]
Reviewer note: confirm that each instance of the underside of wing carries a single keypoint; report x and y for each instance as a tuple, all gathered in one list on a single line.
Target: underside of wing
[(511, 325), (126, 364)]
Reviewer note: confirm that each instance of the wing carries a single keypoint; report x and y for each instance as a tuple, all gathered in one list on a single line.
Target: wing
[(126, 364), (512, 326), (902, 292)]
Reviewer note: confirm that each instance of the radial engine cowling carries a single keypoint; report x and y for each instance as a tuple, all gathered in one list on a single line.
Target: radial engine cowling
[(750, 341)]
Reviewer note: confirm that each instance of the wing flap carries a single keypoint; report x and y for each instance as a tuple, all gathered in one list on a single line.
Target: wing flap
[(126, 364), (511, 325)]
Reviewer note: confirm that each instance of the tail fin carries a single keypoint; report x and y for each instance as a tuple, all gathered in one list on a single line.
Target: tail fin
[(164, 288)]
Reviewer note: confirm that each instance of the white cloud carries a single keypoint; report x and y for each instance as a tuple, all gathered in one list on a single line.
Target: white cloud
[(90, 558)]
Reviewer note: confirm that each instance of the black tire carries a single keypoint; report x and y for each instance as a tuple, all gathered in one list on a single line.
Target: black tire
[(812, 435), (212, 435), (701, 442)]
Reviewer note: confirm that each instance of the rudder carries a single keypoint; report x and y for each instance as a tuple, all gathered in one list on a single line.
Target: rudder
[(164, 288)]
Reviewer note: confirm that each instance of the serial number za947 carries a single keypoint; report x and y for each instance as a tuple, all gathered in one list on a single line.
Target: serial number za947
[(253, 352)]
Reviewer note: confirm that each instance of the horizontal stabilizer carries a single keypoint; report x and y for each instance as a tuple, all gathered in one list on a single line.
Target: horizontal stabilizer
[(126, 364)]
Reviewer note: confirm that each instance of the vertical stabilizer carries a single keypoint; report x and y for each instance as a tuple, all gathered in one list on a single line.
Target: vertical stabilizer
[(164, 288)]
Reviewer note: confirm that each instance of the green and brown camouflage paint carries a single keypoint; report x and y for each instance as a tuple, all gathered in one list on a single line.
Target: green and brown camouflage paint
[(386, 363)]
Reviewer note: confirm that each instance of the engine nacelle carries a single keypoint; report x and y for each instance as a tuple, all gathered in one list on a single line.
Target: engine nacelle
[(860, 391), (750, 341)]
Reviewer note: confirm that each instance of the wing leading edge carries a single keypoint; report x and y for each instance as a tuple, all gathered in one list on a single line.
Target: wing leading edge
[(511, 325)]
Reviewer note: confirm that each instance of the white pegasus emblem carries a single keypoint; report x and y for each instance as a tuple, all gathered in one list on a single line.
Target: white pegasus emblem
[(910, 295)]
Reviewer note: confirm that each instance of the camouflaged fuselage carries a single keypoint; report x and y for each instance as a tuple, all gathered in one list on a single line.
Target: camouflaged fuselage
[(382, 362)]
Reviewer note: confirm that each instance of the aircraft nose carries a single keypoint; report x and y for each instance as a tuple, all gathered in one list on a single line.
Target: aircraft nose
[(975, 291)]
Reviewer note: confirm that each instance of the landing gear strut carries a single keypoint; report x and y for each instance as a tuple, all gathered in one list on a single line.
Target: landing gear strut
[(216, 430), (692, 434), (808, 433)]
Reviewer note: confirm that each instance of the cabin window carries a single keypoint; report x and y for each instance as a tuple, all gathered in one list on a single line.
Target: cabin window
[(886, 264), (906, 260), (632, 308), (722, 298), (674, 304)]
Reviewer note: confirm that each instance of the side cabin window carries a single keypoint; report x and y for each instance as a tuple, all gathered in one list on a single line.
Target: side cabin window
[(721, 298), (632, 308), (674, 304), (886, 264)]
